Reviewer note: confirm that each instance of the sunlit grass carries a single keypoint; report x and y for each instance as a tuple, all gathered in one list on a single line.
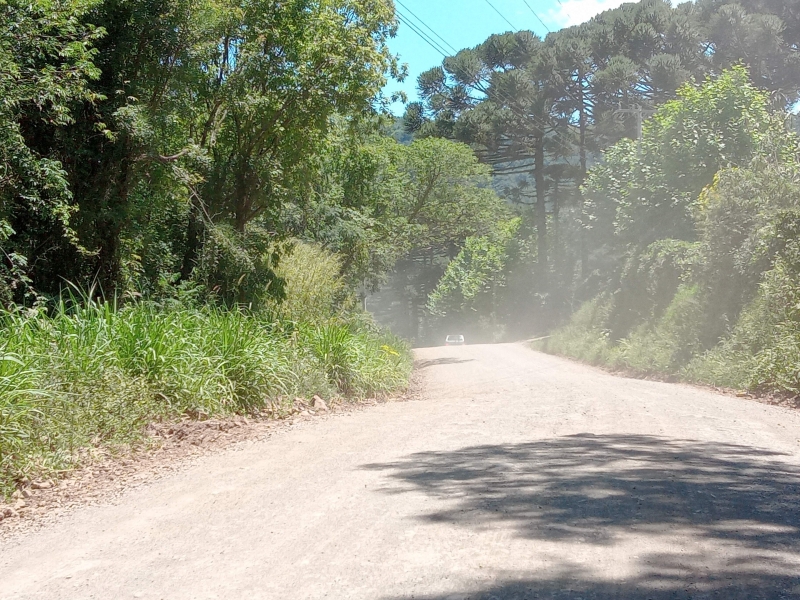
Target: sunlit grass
[(93, 374)]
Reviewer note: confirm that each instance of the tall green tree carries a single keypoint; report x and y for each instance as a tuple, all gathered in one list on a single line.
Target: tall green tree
[(501, 97), (378, 200), (210, 117), (46, 65)]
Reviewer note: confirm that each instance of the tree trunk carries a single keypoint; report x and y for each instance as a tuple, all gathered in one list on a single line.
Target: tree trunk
[(582, 124), (540, 209), (109, 227), (193, 231), (557, 250)]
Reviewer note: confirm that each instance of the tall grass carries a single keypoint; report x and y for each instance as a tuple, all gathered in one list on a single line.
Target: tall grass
[(359, 362), (585, 337), (315, 288), (760, 354), (90, 374), (665, 345)]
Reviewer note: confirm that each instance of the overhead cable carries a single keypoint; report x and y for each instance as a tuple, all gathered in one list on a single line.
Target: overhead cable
[(535, 14), (411, 12), (544, 125), (501, 14)]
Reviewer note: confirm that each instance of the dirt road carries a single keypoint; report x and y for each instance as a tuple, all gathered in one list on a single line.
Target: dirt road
[(518, 475)]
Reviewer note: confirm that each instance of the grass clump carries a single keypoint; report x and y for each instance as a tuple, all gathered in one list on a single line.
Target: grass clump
[(359, 362), (666, 346), (760, 353), (586, 336), (315, 289), (88, 374)]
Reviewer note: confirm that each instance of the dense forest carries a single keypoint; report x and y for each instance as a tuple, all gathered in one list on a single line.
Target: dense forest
[(154, 144), (650, 158), (192, 196)]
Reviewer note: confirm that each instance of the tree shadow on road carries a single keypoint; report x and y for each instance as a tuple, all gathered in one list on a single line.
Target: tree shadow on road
[(450, 360), (757, 587), (592, 489)]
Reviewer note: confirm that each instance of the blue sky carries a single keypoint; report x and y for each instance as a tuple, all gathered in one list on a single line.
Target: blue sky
[(466, 23)]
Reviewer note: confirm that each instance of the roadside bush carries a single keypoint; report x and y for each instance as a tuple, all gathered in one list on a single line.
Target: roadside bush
[(239, 267), (704, 214), (735, 322), (668, 345), (359, 363), (91, 374), (586, 336), (648, 283), (770, 333), (314, 286)]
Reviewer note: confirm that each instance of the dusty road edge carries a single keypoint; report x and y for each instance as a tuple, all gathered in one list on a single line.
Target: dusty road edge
[(789, 402), (106, 476)]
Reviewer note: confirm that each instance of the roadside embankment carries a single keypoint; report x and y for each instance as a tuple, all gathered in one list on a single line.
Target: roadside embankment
[(94, 376)]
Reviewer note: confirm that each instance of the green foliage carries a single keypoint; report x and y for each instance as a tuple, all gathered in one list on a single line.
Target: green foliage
[(661, 346), (607, 186), (315, 290), (541, 110), (472, 279), (357, 363), (586, 336), (332, 345), (664, 346), (282, 70), (719, 169), (91, 374), (732, 362), (723, 123), (650, 189), (379, 200), (662, 205), (648, 282), (444, 192), (45, 67), (154, 128), (238, 267), (761, 352), (357, 359)]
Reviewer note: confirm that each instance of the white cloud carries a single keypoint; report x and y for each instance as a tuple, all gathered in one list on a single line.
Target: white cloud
[(573, 12)]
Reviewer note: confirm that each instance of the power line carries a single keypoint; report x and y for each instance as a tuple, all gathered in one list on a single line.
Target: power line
[(411, 12), (535, 14), (425, 37), (431, 42), (502, 15)]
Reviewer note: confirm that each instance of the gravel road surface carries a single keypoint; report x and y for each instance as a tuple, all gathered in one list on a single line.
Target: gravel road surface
[(516, 475)]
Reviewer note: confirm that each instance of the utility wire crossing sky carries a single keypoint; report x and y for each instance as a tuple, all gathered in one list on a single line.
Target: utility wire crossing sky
[(429, 29)]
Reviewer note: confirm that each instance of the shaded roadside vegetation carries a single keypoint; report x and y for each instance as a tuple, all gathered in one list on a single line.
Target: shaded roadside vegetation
[(703, 255), (652, 161), (193, 197), (595, 489), (88, 373)]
